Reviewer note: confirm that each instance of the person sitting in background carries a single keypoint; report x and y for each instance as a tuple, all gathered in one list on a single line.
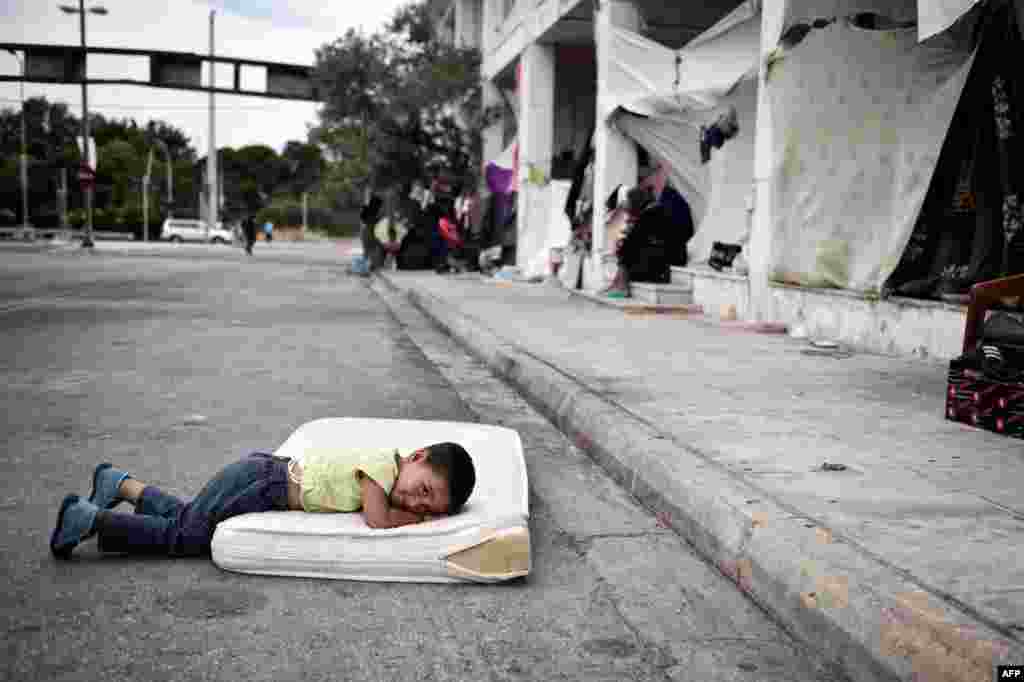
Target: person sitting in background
[(681, 219), (657, 179), (390, 230), (648, 245)]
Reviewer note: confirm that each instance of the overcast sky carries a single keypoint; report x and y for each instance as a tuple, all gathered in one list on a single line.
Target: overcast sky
[(273, 30)]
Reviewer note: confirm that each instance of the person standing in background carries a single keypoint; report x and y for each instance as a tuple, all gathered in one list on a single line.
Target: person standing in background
[(368, 218), (249, 232)]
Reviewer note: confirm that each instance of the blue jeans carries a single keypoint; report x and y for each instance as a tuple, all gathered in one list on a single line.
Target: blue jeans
[(165, 525)]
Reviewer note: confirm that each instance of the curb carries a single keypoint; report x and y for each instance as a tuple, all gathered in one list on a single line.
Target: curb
[(872, 620)]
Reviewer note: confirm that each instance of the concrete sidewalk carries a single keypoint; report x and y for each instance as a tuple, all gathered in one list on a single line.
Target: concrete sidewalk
[(829, 487)]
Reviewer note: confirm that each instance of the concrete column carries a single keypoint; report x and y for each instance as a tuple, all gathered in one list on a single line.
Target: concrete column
[(615, 156), (486, 29), (761, 303), (536, 127), (467, 23)]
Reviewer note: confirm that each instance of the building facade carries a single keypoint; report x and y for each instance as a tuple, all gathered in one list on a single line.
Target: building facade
[(560, 70)]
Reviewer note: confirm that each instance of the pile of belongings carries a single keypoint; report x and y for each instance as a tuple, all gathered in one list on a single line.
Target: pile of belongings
[(986, 384)]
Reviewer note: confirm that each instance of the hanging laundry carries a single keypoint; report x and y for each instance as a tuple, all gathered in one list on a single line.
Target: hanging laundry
[(715, 135)]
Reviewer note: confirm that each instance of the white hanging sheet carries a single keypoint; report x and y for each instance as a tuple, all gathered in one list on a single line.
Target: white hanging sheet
[(639, 69), (859, 118), (936, 16), (543, 226), (651, 79), (932, 16), (664, 109), (783, 14), (675, 140), (718, 191), (731, 185)]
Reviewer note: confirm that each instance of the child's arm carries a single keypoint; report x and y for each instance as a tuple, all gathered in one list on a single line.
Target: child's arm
[(377, 512)]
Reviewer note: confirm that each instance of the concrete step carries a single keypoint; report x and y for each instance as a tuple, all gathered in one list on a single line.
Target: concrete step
[(681, 277), (661, 293)]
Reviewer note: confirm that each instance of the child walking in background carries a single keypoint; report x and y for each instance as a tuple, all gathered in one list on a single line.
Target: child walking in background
[(391, 491)]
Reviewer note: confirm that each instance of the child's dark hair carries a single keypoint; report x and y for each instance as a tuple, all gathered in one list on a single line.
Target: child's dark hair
[(451, 461)]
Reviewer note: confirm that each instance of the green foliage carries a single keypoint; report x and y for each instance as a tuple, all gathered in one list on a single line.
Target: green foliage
[(399, 105), (287, 212), (251, 174)]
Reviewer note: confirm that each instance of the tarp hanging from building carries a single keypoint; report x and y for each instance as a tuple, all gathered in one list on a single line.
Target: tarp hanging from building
[(936, 16), (673, 140), (543, 225), (731, 186), (784, 14), (719, 191), (932, 16), (663, 109), (859, 118), (648, 78)]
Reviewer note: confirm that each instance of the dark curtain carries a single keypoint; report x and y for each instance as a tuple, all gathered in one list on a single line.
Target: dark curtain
[(965, 233)]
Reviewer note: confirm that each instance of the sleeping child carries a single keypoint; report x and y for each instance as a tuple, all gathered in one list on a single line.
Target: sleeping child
[(391, 491)]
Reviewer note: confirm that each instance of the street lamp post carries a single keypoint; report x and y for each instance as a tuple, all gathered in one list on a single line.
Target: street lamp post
[(80, 10), (24, 150)]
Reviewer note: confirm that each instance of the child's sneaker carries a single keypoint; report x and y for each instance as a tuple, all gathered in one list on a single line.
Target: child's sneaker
[(106, 482), (75, 523)]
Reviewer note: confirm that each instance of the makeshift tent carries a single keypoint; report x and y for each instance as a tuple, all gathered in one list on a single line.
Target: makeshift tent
[(665, 97), (650, 79), (719, 191), (859, 117)]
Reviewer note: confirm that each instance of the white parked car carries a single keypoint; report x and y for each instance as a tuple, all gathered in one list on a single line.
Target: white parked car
[(185, 230)]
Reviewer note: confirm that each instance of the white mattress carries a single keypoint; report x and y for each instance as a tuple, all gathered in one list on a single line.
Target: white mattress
[(488, 541)]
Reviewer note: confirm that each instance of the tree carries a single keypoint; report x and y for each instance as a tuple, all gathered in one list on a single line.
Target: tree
[(178, 144), (304, 166), (121, 170), (400, 104), (252, 175)]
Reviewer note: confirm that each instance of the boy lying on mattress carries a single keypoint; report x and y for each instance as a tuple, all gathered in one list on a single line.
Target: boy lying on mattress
[(390, 489)]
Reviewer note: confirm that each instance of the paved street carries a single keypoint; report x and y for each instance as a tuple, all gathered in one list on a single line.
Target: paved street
[(113, 357)]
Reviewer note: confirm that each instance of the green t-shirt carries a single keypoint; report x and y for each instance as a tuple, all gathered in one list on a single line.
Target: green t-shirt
[(329, 482)]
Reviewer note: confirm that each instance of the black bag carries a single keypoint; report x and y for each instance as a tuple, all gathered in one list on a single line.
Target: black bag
[(647, 261), (722, 255), (415, 253), (1004, 329)]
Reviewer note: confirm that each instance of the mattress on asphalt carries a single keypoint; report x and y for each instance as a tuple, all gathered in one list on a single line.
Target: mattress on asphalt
[(488, 541)]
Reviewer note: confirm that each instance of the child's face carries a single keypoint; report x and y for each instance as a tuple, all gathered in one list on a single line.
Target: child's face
[(418, 488)]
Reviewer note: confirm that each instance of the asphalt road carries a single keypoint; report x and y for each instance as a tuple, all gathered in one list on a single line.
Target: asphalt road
[(109, 357)]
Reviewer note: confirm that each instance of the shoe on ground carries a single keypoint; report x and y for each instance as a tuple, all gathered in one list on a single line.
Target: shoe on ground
[(106, 483), (75, 522)]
